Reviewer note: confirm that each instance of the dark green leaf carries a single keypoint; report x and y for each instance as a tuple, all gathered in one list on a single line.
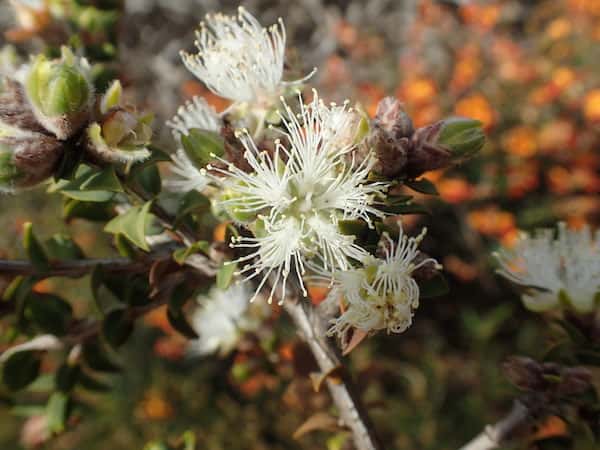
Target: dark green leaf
[(20, 370), (149, 178), (67, 376), (91, 384), (95, 212), (105, 180), (95, 356), (201, 145), (192, 202), (50, 313), (407, 208), (61, 247), (117, 327), (356, 228)]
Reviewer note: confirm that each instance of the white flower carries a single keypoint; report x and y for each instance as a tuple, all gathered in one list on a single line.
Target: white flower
[(298, 193), (197, 114), (239, 59), (220, 319), (550, 269), (382, 294)]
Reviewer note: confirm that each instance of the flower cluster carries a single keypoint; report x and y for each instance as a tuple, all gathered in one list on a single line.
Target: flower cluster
[(554, 270), (290, 174)]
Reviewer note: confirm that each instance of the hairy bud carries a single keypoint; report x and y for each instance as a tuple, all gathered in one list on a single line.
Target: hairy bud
[(121, 134), (60, 93), (26, 157)]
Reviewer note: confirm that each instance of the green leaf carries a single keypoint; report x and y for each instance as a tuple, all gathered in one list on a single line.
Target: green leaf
[(192, 202), (200, 145), (95, 356), (105, 180), (61, 247), (225, 274), (422, 185), (73, 188), (189, 440), (89, 196), (181, 255), (34, 249), (149, 178), (50, 313), (20, 370), (178, 321), (117, 327), (57, 411), (124, 247), (132, 224), (434, 287), (67, 376), (91, 384), (92, 211)]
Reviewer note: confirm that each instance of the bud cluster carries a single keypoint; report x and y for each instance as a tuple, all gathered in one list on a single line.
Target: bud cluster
[(403, 152)]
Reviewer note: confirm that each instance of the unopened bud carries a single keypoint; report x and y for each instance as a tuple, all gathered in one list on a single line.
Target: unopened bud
[(122, 134), (462, 136), (392, 117), (60, 92), (444, 144), (26, 158)]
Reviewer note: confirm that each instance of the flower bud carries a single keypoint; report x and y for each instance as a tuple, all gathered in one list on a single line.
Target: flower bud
[(60, 92), (26, 157), (443, 144), (121, 134)]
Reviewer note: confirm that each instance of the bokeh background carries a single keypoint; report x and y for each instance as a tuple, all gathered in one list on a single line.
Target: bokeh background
[(527, 69)]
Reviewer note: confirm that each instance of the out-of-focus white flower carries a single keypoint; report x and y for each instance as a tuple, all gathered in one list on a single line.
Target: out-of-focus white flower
[(294, 198), (239, 59), (220, 319), (9, 62), (195, 114), (382, 294), (550, 269)]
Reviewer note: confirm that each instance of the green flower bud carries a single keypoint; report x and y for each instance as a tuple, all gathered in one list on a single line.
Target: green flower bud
[(122, 135), (462, 136), (60, 92)]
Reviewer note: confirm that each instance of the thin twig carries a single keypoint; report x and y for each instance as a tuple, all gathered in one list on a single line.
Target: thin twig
[(494, 436), (312, 329), (76, 268)]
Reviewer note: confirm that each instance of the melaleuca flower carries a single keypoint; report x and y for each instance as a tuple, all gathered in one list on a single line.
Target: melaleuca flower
[(294, 197), (26, 157), (240, 60), (221, 318), (60, 92), (382, 293), (121, 134), (551, 270), (194, 115)]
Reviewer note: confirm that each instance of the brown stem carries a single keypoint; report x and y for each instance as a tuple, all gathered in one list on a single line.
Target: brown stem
[(76, 268), (494, 436), (312, 329)]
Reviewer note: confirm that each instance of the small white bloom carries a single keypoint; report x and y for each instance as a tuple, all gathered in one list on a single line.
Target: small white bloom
[(220, 319), (240, 60), (196, 113), (382, 294), (298, 193), (547, 267)]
